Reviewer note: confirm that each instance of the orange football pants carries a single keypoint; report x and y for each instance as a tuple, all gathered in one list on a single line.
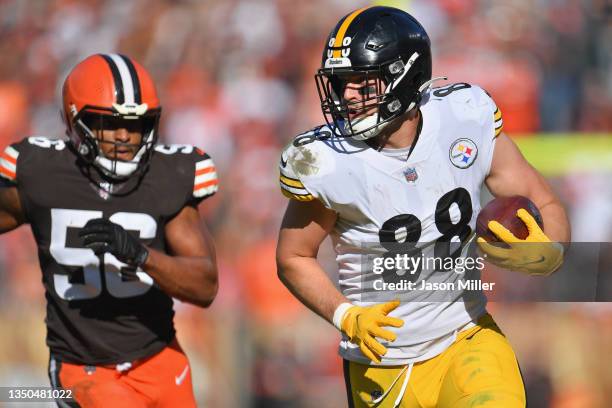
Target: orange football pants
[(162, 380)]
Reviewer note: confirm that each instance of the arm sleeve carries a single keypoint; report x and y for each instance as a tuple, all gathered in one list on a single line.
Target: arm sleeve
[(205, 181), (20, 168), (492, 126), (309, 170), (8, 165), (290, 183)]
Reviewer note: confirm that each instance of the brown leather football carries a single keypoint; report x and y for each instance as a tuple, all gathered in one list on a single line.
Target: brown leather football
[(503, 210)]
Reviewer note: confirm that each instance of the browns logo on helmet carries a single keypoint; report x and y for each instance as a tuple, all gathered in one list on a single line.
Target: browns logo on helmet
[(107, 91)]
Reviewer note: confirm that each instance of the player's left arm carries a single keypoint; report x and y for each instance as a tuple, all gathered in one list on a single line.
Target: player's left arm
[(511, 174), (189, 272), (541, 253)]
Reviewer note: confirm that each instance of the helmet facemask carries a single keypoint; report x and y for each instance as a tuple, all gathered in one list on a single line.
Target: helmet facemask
[(388, 92), (358, 118), (104, 153)]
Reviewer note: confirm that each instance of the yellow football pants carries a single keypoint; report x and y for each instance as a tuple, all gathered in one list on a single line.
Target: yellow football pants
[(478, 370)]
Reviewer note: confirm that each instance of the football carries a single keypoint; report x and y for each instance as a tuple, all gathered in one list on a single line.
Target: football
[(503, 210)]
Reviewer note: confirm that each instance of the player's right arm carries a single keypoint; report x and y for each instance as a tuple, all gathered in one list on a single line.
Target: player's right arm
[(11, 213), (305, 225)]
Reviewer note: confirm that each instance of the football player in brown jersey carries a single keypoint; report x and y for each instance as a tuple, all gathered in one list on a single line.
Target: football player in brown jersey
[(115, 219)]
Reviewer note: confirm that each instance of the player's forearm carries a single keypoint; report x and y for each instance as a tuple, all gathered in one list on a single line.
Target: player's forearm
[(556, 223), (308, 282), (189, 279)]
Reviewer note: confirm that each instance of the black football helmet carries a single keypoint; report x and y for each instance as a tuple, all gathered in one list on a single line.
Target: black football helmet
[(384, 48)]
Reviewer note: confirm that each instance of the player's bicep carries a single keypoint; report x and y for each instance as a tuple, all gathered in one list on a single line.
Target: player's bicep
[(186, 235), (511, 174), (11, 212), (305, 225)]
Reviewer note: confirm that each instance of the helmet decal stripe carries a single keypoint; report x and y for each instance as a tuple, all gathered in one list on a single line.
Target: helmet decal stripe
[(342, 30), (126, 78), (116, 78), (134, 76)]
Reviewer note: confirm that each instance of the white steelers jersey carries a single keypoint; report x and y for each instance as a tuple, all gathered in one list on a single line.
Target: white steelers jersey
[(425, 206)]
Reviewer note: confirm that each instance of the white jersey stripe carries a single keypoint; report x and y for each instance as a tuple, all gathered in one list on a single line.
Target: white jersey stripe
[(205, 177), (201, 192), (203, 164), (10, 150)]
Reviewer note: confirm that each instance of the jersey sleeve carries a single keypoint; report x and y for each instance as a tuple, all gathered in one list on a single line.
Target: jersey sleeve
[(187, 171), (498, 121), (8, 164), (205, 180), (290, 183), (20, 162), (310, 169), (492, 126), (306, 167)]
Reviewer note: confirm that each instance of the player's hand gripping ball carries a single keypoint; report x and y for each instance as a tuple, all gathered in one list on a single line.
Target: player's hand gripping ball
[(503, 210), (510, 235)]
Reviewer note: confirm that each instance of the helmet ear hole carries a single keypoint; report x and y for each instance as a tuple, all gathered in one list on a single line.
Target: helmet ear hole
[(86, 143), (88, 149)]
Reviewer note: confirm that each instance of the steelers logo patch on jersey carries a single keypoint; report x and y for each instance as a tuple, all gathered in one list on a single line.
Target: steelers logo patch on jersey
[(463, 153)]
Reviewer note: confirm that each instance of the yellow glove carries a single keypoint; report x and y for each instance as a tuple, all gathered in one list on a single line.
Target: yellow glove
[(534, 255), (363, 324)]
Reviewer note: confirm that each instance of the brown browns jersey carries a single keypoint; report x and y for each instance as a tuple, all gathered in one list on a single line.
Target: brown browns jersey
[(99, 310)]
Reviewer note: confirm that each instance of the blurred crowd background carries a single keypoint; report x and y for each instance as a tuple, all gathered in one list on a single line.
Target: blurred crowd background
[(236, 78)]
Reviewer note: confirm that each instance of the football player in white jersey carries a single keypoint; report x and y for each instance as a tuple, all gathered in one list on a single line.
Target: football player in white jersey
[(398, 169)]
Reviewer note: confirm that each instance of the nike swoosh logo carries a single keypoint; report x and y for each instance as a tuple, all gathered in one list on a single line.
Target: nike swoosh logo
[(181, 377), (542, 259), (283, 161)]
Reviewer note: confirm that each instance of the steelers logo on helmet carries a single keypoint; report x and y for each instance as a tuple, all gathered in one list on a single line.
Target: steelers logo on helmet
[(103, 94), (375, 65)]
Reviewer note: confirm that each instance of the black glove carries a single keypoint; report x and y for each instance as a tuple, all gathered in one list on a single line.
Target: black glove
[(102, 236)]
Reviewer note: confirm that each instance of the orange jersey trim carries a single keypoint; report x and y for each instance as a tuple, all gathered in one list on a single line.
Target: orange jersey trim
[(8, 158), (6, 172), (206, 184), (205, 170)]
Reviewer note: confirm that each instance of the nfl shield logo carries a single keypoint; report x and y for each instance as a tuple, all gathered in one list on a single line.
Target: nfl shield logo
[(411, 174)]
